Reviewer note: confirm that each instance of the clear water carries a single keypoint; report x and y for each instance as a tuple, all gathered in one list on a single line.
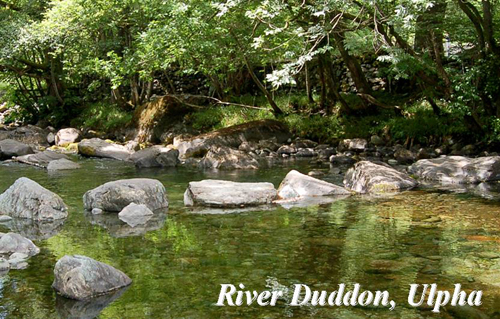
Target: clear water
[(178, 261)]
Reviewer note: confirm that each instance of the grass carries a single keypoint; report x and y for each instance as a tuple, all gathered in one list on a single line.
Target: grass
[(102, 117)]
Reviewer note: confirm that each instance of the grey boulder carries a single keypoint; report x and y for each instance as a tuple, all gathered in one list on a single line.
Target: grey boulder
[(10, 148), (12, 243), (27, 199), (458, 169), (81, 278), (96, 147), (114, 196), (297, 185), (217, 193), (368, 177), (135, 214)]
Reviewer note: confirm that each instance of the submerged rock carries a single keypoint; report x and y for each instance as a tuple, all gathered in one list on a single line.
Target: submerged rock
[(232, 137), (67, 136), (114, 196), (458, 169), (228, 158), (62, 165), (14, 243), (96, 147), (217, 193), (80, 278), (27, 199), (297, 185), (10, 148), (42, 159), (135, 214), (368, 177)]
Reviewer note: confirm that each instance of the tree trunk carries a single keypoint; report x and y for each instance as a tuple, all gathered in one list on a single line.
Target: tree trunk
[(353, 65)]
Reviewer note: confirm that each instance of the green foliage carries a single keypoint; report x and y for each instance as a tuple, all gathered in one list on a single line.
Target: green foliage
[(216, 117), (102, 117)]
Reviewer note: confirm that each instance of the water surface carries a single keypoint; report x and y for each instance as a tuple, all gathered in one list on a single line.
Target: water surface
[(178, 261)]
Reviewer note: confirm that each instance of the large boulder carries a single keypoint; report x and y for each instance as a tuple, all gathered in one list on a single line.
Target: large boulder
[(10, 148), (232, 137), (27, 199), (458, 169), (368, 177), (217, 193), (67, 136), (96, 147), (41, 159), (81, 278), (12, 243), (156, 156), (114, 196), (228, 158), (297, 185)]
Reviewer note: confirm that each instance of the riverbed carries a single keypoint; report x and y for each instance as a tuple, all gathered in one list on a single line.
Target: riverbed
[(178, 260)]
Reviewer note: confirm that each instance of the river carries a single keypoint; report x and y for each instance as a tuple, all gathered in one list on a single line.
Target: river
[(178, 260)]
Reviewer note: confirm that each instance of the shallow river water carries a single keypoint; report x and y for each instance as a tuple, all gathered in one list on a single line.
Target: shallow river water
[(178, 261)]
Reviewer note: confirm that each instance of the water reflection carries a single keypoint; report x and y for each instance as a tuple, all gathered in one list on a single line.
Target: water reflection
[(87, 309), (118, 228), (35, 230)]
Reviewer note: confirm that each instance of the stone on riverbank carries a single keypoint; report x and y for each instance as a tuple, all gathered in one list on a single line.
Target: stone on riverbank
[(297, 185), (217, 193), (232, 137), (458, 169), (96, 147), (27, 199), (114, 196), (135, 214), (368, 177), (10, 148), (67, 136), (228, 158), (354, 144), (80, 278), (156, 156), (41, 159), (12, 243)]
